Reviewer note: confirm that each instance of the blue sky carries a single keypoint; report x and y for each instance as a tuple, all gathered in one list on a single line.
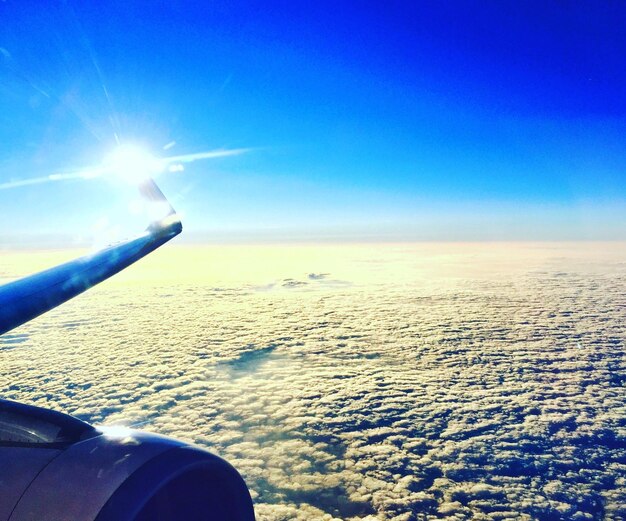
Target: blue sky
[(401, 121)]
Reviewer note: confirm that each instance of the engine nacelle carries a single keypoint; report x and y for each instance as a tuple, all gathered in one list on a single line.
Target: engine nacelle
[(55, 467)]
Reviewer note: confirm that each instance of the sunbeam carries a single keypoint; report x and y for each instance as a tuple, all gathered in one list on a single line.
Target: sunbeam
[(128, 162)]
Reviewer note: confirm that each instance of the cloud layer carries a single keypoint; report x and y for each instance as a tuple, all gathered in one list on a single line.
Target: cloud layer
[(398, 382)]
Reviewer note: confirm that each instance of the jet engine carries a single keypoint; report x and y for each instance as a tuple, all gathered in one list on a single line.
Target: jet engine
[(54, 467)]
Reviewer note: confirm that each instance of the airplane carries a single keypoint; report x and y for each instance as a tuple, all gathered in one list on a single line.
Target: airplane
[(54, 467)]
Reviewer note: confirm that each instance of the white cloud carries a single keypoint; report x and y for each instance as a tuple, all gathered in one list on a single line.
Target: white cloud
[(487, 395)]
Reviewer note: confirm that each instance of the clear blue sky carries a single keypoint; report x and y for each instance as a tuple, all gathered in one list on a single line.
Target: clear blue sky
[(398, 120)]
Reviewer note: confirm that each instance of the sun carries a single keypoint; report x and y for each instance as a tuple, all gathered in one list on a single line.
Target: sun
[(133, 164)]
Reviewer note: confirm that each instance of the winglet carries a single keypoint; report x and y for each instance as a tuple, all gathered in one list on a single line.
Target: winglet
[(170, 222)]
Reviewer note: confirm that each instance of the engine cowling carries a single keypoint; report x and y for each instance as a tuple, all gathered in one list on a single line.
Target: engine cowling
[(56, 467)]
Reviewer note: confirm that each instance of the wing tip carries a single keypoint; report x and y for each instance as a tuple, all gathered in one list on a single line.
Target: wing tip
[(168, 226)]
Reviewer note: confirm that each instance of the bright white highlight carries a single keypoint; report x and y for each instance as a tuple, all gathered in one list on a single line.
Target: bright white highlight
[(120, 432), (133, 164)]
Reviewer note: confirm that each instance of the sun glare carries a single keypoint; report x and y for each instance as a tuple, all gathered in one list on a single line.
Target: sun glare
[(133, 164)]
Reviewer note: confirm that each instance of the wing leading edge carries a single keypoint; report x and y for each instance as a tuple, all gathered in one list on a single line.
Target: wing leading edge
[(24, 299)]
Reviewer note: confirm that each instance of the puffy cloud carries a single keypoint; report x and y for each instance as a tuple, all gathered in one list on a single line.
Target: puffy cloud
[(435, 384)]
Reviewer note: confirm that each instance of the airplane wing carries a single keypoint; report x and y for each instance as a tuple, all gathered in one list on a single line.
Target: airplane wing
[(56, 467), (27, 298)]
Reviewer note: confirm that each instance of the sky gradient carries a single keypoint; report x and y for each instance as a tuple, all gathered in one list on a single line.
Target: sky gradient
[(408, 121)]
